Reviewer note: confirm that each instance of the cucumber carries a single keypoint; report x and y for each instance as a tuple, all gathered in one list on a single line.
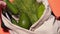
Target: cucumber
[(40, 10), (29, 7), (29, 11), (24, 21), (13, 9), (14, 21)]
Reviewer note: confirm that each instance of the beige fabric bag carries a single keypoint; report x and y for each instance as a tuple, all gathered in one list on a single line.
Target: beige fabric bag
[(45, 25), (49, 27)]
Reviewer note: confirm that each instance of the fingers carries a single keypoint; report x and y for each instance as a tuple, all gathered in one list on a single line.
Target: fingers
[(2, 4)]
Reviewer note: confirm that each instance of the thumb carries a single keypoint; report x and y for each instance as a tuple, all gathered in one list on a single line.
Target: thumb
[(2, 4)]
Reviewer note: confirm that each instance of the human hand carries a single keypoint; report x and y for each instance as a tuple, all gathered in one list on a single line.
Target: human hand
[(2, 5)]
